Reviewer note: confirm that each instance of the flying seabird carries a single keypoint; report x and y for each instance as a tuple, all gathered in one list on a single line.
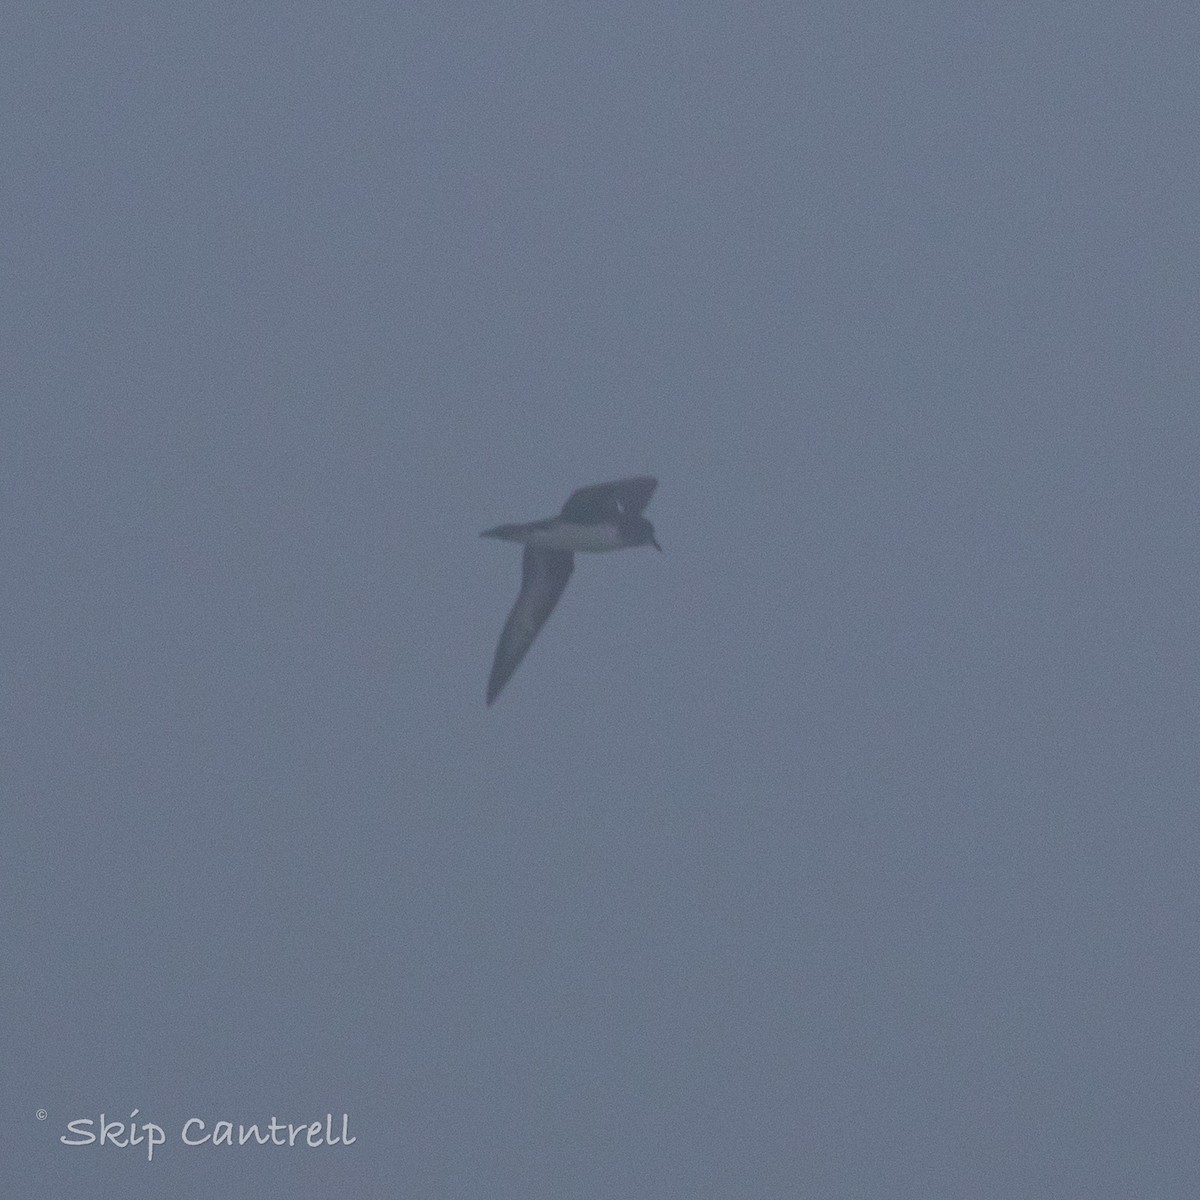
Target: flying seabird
[(604, 516)]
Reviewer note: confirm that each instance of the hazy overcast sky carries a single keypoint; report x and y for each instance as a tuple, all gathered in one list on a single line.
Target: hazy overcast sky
[(847, 849)]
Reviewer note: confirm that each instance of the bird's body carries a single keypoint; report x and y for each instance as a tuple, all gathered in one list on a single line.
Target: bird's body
[(557, 534), (602, 517)]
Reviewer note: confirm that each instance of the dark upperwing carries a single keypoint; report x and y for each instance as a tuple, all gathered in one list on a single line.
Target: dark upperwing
[(544, 574), (604, 501)]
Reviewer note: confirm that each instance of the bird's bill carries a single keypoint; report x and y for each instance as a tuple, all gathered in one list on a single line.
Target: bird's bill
[(654, 543)]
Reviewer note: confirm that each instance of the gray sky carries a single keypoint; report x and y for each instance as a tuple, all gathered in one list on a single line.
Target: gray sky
[(849, 848)]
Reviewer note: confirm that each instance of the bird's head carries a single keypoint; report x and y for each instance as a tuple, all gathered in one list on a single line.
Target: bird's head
[(640, 532)]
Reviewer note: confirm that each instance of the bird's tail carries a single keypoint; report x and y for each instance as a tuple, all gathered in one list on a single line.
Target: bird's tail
[(507, 533)]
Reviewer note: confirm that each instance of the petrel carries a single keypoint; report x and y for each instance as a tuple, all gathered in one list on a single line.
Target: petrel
[(604, 516)]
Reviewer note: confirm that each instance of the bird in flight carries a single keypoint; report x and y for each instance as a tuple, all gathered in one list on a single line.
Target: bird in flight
[(604, 516)]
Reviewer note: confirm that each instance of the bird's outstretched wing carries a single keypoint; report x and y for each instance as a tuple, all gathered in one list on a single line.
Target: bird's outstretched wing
[(602, 501), (544, 574)]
